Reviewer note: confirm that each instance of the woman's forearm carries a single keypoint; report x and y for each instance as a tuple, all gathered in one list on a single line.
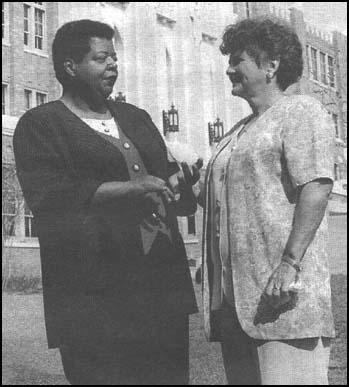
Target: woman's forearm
[(309, 213), (115, 190)]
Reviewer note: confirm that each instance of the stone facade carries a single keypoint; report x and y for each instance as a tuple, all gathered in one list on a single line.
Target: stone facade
[(168, 53)]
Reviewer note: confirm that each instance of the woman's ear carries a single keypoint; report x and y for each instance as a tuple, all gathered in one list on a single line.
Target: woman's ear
[(70, 67), (273, 66)]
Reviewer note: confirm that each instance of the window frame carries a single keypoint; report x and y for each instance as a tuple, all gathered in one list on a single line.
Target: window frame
[(26, 25), (29, 217), (10, 205), (190, 225), (331, 74), (308, 58), (39, 28), (5, 101), (323, 68), (41, 94), (28, 92), (314, 72), (336, 124), (33, 7), (247, 10), (34, 97), (336, 172)]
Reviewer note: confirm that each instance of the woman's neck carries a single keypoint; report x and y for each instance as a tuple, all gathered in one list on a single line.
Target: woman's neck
[(85, 101), (263, 101)]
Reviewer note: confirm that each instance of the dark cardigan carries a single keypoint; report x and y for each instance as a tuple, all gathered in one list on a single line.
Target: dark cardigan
[(97, 285)]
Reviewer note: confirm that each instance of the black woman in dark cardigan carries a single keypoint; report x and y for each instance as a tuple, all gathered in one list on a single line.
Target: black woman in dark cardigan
[(116, 283)]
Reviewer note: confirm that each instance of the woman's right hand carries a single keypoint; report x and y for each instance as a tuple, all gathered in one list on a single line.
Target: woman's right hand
[(147, 184), (139, 188)]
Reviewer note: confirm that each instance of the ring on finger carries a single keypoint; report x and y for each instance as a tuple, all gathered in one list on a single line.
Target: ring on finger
[(276, 289)]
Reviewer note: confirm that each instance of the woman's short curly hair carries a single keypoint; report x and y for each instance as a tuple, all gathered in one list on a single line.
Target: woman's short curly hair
[(72, 40), (274, 38)]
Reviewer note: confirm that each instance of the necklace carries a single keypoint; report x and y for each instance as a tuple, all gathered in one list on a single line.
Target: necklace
[(104, 124)]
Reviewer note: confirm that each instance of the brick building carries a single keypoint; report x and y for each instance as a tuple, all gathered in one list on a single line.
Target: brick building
[(168, 54), (325, 71)]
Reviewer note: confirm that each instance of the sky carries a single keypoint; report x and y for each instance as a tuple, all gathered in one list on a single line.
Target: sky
[(327, 16)]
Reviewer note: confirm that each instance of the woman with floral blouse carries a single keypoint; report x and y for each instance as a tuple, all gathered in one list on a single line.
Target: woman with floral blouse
[(266, 280)]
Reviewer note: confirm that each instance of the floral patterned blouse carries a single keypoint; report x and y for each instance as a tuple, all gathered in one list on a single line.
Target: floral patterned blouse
[(289, 145)]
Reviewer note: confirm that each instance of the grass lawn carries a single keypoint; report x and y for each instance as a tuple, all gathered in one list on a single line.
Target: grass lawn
[(27, 361)]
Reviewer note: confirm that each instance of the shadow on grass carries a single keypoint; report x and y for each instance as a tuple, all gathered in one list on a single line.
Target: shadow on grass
[(22, 284), (30, 376)]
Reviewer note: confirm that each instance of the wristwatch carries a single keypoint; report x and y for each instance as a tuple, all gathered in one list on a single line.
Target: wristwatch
[(291, 261)]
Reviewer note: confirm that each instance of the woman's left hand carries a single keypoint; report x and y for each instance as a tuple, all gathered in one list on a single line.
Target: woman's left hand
[(191, 176), (277, 290)]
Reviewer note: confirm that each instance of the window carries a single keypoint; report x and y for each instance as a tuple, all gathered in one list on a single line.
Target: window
[(307, 53), (9, 211), (191, 225), (248, 11), (40, 99), (33, 98), (314, 71), (3, 18), (9, 199), (39, 28), (28, 99), (335, 120), (26, 9), (4, 98), (336, 172), (331, 75), (30, 231), (34, 25), (323, 71)]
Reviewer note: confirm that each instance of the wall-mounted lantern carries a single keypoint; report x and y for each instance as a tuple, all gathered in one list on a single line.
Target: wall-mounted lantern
[(215, 131), (170, 120)]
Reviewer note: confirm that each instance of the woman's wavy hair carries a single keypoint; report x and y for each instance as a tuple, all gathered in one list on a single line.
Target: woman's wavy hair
[(260, 36), (72, 40)]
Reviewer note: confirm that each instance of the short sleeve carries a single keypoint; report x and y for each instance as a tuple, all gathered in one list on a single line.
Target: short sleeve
[(308, 142)]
